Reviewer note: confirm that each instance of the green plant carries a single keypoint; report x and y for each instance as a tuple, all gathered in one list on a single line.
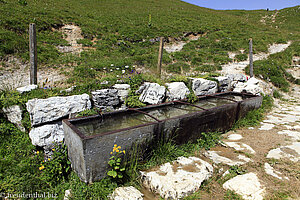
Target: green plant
[(88, 112), (253, 117), (232, 172), (209, 140), (241, 57), (132, 101), (114, 162), (191, 97), (276, 94), (230, 195), (58, 167)]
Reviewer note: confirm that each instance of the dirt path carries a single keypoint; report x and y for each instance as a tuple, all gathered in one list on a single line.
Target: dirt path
[(238, 67), (273, 149)]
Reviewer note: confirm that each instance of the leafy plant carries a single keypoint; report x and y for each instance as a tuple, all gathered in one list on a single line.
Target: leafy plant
[(209, 140), (114, 162), (191, 97), (58, 167)]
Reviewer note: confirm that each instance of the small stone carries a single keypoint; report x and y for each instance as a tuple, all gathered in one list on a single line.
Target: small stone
[(126, 193), (270, 170), (152, 93), (292, 153), (14, 115), (246, 185), (67, 194), (46, 135), (27, 88), (106, 98), (216, 158), (240, 146), (266, 126), (224, 83), (295, 135), (202, 86), (177, 91), (234, 137)]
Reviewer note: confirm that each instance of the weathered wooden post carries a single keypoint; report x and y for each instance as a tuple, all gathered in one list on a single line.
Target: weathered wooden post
[(33, 54), (160, 55), (251, 58)]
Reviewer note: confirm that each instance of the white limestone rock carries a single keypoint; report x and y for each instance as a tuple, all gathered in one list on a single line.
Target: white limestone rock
[(14, 115), (54, 108), (234, 137), (224, 83), (246, 185), (177, 91), (295, 135), (251, 86), (46, 135), (270, 170), (68, 194), (292, 154), (123, 91), (106, 98), (266, 126), (237, 77), (178, 179), (152, 93), (27, 88), (240, 146), (216, 158), (202, 86), (126, 193)]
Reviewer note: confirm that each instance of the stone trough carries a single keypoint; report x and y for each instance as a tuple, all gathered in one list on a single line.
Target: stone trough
[(91, 139)]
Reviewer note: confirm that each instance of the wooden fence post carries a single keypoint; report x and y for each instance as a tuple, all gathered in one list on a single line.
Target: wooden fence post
[(33, 54), (160, 55), (251, 58)]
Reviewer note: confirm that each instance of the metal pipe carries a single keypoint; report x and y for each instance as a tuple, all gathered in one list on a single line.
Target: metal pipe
[(186, 103), (145, 114)]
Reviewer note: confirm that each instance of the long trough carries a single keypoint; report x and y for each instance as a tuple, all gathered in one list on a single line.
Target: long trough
[(90, 139)]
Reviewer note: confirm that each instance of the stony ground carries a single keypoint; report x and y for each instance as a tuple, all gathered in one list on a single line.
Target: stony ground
[(255, 163)]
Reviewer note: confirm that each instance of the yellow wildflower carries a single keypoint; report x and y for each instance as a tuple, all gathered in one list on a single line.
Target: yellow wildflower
[(119, 147), (37, 152), (42, 167), (49, 159), (111, 152), (115, 145), (124, 151), (53, 149), (117, 150)]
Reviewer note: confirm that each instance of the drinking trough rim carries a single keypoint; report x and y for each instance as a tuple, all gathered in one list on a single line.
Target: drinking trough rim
[(200, 97)]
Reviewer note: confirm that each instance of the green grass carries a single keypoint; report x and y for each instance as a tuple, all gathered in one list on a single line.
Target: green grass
[(254, 117), (122, 30)]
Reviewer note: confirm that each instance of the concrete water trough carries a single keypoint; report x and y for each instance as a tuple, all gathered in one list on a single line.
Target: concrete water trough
[(91, 139)]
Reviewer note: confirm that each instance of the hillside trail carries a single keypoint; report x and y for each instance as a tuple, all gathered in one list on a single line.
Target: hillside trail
[(270, 152), (238, 67)]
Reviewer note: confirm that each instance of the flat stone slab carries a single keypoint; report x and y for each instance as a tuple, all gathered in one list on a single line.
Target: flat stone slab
[(234, 137), (178, 179), (27, 88), (240, 146), (46, 135), (266, 126), (54, 108), (291, 152), (270, 170), (216, 158), (246, 185), (295, 135), (126, 193)]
